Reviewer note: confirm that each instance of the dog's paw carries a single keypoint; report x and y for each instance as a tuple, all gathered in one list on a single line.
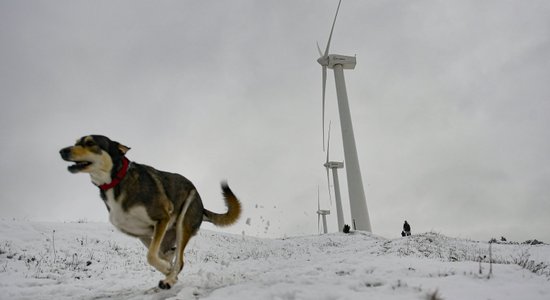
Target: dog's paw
[(163, 284), (167, 283)]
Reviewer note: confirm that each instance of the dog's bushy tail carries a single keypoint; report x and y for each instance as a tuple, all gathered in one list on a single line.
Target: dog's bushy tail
[(233, 209)]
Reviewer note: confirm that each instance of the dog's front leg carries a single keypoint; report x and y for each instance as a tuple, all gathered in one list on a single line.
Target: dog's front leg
[(153, 253), (183, 232)]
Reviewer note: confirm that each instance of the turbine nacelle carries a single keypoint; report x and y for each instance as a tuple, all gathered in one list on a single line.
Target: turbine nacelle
[(329, 61), (334, 165)]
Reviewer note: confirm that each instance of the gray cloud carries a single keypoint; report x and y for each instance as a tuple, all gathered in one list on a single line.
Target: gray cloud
[(449, 104)]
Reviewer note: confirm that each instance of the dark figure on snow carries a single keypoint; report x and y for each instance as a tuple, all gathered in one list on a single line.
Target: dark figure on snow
[(407, 229), (346, 228)]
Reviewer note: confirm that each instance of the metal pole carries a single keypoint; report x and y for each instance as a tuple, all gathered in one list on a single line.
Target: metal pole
[(358, 203), (325, 223), (339, 211)]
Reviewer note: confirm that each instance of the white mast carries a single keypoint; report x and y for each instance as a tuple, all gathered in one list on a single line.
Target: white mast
[(358, 204), (335, 165)]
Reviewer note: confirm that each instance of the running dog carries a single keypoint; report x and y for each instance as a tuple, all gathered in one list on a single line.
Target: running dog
[(163, 210)]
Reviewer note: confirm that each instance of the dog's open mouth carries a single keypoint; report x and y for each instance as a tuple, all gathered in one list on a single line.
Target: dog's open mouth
[(78, 166)]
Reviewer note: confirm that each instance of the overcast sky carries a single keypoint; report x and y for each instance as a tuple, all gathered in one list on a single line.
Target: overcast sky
[(449, 100)]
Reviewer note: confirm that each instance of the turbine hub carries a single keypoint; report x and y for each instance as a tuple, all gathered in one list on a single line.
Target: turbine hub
[(323, 60)]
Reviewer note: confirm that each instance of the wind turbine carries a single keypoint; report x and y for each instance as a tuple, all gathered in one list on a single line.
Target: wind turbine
[(321, 212), (358, 203), (335, 165)]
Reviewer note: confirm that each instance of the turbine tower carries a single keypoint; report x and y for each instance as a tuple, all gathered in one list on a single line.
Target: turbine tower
[(335, 165), (321, 212), (339, 63)]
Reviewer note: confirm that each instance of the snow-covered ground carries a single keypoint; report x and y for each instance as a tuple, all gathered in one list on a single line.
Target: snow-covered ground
[(95, 261)]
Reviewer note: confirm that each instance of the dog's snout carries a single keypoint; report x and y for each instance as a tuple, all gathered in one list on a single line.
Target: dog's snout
[(65, 152)]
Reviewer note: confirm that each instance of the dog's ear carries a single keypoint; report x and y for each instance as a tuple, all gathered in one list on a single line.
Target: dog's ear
[(123, 149)]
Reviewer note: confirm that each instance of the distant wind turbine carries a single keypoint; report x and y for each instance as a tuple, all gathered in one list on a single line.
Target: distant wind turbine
[(358, 203), (323, 213), (335, 165)]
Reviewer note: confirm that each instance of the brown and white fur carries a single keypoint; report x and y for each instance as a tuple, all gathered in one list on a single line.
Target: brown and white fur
[(163, 210)]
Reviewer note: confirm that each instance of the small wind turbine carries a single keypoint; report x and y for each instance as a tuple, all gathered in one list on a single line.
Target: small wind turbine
[(321, 212), (335, 165), (358, 203)]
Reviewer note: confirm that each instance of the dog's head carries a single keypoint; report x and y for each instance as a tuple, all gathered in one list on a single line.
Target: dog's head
[(94, 154)]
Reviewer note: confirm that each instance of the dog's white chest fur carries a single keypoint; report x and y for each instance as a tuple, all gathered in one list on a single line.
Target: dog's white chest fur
[(135, 221)]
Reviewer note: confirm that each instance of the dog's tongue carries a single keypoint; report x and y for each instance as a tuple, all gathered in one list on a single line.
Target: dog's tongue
[(78, 166)]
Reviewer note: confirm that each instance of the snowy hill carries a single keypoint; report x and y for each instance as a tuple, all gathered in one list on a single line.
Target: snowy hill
[(94, 261)]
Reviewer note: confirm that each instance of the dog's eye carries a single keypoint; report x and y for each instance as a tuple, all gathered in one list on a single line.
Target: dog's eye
[(89, 144)]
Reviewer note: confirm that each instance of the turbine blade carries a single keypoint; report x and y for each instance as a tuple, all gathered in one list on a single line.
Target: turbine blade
[(328, 140), (319, 49), (328, 175), (318, 214), (332, 29), (324, 91), (318, 200)]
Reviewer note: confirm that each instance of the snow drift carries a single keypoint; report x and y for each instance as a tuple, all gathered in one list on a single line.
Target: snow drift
[(94, 261)]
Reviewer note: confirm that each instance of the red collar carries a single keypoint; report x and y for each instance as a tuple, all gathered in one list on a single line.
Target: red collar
[(119, 176)]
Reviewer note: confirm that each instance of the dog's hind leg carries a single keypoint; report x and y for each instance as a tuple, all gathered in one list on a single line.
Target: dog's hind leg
[(153, 253), (167, 247), (183, 235)]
